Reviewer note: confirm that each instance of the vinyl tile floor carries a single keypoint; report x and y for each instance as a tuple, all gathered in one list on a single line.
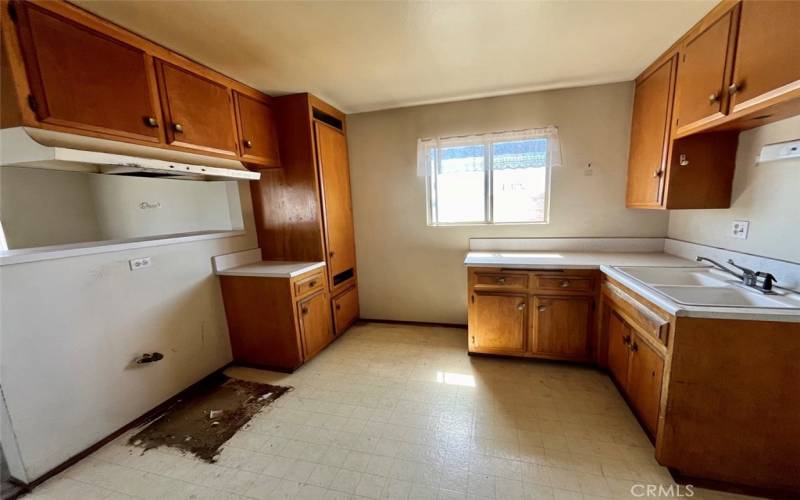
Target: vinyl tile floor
[(401, 412)]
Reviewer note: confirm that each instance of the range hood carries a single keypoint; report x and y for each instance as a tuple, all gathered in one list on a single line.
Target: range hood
[(37, 148)]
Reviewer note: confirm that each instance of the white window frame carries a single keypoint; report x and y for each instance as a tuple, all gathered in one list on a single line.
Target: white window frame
[(487, 141)]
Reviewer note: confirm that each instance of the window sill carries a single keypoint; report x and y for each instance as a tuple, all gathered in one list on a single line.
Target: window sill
[(24, 255)]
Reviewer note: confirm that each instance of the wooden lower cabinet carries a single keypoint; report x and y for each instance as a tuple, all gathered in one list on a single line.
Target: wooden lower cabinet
[(619, 338), (345, 309), (644, 382), (498, 323), (277, 323), (545, 314), (561, 326)]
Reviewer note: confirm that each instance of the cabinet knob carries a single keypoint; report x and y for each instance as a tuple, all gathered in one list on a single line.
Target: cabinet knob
[(338, 306), (304, 310), (658, 173), (734, 88), (177, 127), (331, 254), (151, 122), (683, 161), (312, 283), (564, 284), (712, 98), (521, 307), (247, 143), (626, 339), (542, 308), (501, 281), (634, 347)]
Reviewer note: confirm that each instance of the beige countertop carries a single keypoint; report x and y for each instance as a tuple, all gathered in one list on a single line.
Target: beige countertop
[(272, 269)]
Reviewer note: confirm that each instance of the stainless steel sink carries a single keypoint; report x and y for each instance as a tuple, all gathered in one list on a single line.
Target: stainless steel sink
[(705, 286)]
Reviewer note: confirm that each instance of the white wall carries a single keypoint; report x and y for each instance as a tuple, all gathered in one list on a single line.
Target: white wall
[(70, 329), (409, 271), (767, 195)]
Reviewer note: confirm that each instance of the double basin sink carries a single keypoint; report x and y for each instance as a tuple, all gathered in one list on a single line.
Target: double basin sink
[(707, 287)]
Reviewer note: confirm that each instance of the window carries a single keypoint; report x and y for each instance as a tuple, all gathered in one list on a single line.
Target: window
[(500, 178)]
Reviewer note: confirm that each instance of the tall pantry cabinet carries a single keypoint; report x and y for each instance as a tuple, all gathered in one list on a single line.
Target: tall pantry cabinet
[(303, 210)]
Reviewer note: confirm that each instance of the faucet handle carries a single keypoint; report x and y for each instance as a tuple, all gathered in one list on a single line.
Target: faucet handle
[(769, 279), (745, 270)]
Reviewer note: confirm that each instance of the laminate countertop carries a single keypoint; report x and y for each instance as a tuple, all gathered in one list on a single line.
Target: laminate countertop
[(608, 262), (272, 269)]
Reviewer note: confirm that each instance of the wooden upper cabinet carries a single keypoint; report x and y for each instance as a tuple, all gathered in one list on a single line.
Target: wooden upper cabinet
[(767, 63), (703, 72), (315, 323), (258, 138), (86, 80), (650, 135), (644, 382), (561, 326), (338, 212), (498, 323), (198, 112)]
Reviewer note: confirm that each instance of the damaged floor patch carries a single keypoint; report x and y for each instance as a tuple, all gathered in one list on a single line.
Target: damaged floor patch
[(207, 416)]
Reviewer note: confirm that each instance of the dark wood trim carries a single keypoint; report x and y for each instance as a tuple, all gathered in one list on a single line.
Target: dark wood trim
[(141, 420), (410, 323)]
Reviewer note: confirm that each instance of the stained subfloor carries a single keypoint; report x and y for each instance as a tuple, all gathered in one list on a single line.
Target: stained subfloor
[(401, 412)]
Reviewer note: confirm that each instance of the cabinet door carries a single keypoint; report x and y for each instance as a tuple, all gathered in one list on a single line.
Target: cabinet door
[(702, 92), (644, 383), (315, 323), (650, 131), (338, 216), (561, 326), (619, 338), (86, 80), (497, 323), (345, 309), (767, 62), (258, 137), (198, 112)]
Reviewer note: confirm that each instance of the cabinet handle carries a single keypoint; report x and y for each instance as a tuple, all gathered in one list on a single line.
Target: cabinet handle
[(521, 307), (304, 310), (247, 143), (542, 308), (151, 122), (683, 161), (634, 346), (177, 127), (331, 254), (564, 284), (658, 173), (712, 98), (626, 339), (501, 281), (734, 88), (338, 306), (312, 283)]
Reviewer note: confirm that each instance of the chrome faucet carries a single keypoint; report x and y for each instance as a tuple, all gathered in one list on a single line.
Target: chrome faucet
[(749, 277)]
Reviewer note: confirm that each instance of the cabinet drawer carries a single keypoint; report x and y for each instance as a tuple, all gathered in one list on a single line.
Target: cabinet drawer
[(309, 284), (578, 284), (501, 280)]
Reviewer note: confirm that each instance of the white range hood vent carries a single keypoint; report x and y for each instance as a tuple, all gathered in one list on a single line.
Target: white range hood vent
[(37, 148)]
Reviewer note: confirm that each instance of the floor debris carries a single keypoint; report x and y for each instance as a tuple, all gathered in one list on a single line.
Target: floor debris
[(208, 416)]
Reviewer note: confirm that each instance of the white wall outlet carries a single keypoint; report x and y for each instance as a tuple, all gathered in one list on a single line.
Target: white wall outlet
[(739, 229), (137, 264)]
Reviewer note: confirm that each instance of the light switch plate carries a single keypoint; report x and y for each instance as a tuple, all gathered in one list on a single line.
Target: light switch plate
[(740, 228), (141, 263)]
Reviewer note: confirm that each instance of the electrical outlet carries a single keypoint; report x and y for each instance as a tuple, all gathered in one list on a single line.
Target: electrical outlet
[(137, 264), (739, 229)]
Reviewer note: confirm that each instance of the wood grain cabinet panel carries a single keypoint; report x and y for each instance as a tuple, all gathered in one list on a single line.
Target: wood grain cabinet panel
[(258, 137), (345, 309), (335, 176), (198, 112), (650, 135), (498, 323), (315, 323), (501, 280), (84, 79), (561, 326), (619, 340), (703, 73), (767, 62), (644, 382)]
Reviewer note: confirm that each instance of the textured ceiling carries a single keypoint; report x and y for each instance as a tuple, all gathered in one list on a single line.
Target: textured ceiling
[(364, 56)]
